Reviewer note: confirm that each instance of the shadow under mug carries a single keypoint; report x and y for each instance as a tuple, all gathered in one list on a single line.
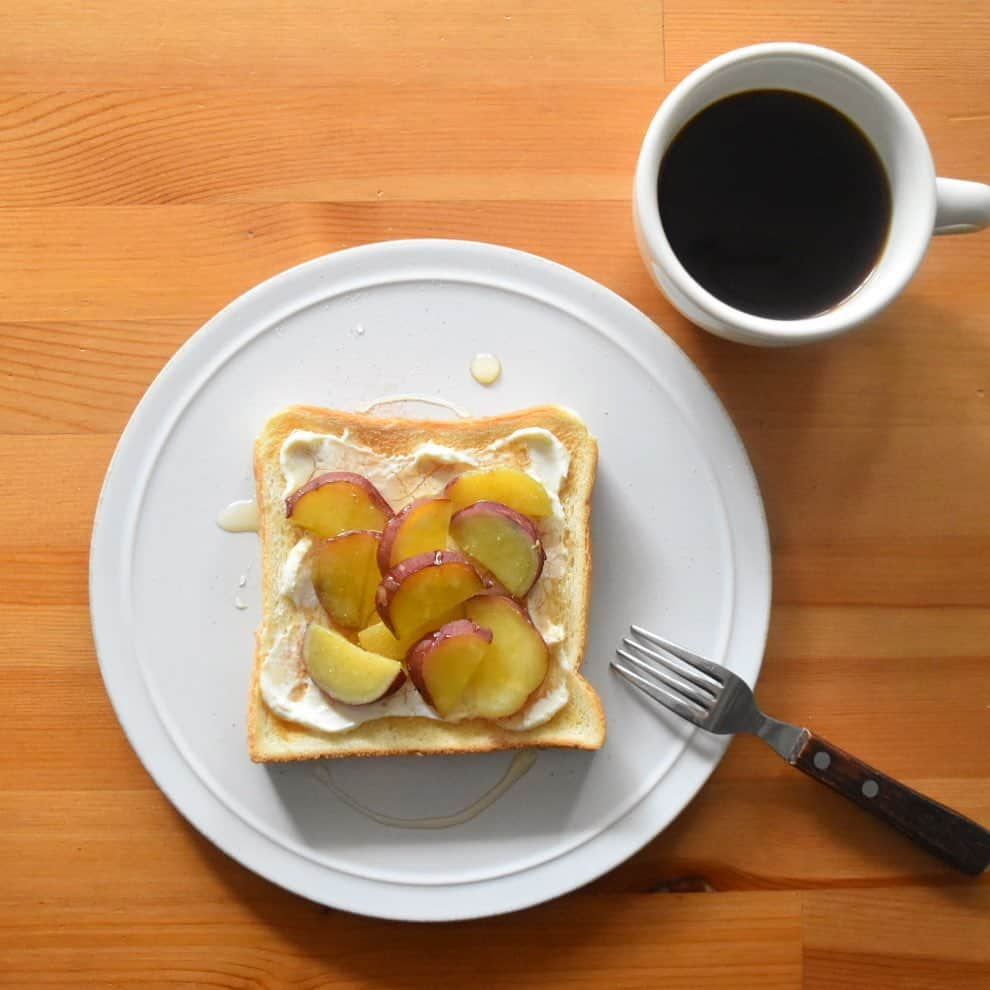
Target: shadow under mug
[(921, 204)]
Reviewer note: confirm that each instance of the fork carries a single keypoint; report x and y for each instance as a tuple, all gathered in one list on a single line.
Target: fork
[(713, 698)]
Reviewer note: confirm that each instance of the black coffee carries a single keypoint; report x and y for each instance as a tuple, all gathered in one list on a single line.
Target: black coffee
[(775, 202)]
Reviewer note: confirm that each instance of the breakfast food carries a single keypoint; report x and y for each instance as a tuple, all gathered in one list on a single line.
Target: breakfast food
[(346, 576), (444, 663), (337, 502), (347, 673), (425, 585), (422, 525), (417, 591), (502, 541)]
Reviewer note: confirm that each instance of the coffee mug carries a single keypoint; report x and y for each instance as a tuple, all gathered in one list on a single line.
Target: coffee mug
[(920, 204)]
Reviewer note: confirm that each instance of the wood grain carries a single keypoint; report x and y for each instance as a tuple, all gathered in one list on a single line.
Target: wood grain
[(155, 162), (309, 144), (864, 939), (304, 42)]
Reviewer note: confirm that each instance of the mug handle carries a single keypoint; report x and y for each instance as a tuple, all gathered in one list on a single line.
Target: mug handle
[(960, 206)]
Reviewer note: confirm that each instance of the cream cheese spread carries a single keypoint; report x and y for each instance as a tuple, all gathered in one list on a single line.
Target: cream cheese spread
[(285, 684)]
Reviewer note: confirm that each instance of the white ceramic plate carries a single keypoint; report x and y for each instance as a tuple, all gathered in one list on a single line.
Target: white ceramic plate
[(680, 545)]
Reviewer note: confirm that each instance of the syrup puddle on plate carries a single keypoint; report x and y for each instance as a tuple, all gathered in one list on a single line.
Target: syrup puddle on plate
[(239, 517), (485, 369), (412, 399), (521, 764)]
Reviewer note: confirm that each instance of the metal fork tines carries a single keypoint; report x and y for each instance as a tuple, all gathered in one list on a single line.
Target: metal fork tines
[(691, 692), (699, 690)]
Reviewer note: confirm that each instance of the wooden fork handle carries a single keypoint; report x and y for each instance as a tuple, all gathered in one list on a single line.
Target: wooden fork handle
[(958, 840)]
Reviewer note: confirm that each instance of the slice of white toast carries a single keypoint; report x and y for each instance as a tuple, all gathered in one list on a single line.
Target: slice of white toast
[(580, 723)]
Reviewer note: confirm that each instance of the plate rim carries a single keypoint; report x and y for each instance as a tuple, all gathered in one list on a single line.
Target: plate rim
[(690, 763)]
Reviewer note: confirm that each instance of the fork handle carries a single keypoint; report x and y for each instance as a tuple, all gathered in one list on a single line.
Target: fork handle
[(958, 840)]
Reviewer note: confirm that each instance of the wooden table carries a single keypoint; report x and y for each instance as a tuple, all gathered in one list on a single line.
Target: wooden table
[(156, 160)]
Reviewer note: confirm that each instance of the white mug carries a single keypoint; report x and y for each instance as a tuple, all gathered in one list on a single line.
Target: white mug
[(921, 204)]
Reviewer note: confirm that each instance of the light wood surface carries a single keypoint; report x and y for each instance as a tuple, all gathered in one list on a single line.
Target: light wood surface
[(156, 160)]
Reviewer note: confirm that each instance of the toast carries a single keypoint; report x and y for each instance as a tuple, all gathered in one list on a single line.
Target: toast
[(563, 597)]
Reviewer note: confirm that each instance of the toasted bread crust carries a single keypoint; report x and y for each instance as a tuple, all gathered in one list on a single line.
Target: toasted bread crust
[(580, 724)]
